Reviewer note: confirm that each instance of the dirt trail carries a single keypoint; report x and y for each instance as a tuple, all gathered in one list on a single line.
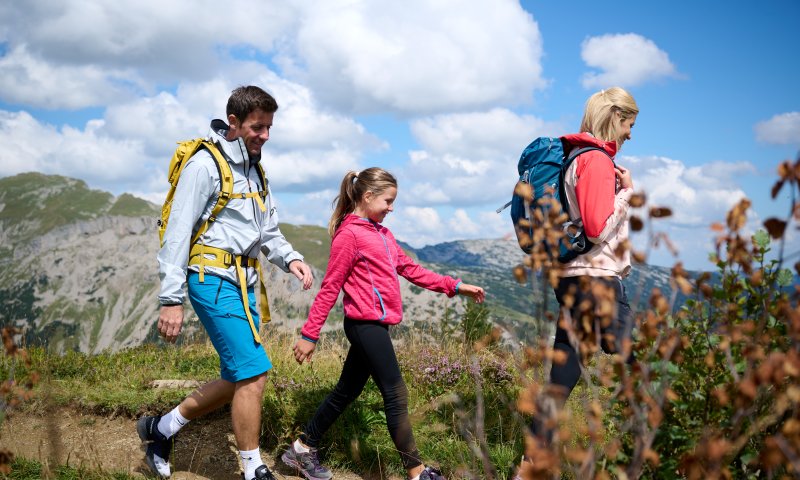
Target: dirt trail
[(205, 448)]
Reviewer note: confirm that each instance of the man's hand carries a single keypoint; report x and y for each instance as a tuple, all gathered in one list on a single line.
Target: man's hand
[(473, 291), (170, 320), (303, 350), (302, 272)]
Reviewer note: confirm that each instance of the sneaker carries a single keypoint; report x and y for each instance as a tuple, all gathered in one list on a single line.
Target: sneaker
[(306, 463), (158, 446), (431, 473), (262, 473)]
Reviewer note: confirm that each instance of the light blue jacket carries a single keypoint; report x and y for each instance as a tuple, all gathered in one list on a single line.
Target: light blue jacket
[(241, 227)]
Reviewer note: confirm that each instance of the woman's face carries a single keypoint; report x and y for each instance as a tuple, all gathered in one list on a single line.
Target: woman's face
[(624, 129)]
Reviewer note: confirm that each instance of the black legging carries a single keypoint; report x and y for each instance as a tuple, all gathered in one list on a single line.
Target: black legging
[(567, 374), (371, 354)]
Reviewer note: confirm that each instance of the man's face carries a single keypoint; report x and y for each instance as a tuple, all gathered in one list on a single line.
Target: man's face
[(254, 130)]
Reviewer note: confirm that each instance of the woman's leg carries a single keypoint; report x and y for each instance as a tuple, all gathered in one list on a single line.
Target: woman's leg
[(565, 375)]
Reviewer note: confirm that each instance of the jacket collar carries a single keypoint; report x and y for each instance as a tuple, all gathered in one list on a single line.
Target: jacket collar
[(235, 150), (585, 139)]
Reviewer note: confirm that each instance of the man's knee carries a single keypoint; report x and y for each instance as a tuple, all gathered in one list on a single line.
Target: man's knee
[(254, 385)]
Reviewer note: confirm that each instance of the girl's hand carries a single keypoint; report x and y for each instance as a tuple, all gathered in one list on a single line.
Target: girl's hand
[(473, 291), (624, 177), (303, 350)]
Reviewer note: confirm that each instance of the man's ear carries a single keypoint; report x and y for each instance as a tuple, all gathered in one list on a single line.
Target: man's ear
[(233, 121)]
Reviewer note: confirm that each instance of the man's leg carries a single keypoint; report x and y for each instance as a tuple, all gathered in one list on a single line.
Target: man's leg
[(207, 398), (246, 411)]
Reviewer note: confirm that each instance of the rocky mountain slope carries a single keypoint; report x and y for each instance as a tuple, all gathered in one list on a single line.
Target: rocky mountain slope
[(78, 270)]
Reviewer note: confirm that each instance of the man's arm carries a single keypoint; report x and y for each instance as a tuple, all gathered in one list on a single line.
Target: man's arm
[(194, 189)]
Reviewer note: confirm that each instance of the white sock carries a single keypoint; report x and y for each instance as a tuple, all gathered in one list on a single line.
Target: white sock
[(251, 459), (171, 423), (300, 448), (416, 478)]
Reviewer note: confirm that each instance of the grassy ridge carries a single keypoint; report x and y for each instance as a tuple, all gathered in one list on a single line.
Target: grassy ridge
[(442, 384)]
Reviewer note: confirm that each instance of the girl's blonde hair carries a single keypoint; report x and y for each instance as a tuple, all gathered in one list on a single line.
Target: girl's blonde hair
[(598, 116), (354, 186)]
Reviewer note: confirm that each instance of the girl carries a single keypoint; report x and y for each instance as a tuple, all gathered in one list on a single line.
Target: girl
[(365, 262)]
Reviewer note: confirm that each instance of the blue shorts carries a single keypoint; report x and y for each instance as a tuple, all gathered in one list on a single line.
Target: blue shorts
[(219, 305)]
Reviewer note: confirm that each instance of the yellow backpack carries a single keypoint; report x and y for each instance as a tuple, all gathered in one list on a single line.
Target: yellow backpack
[(179, 160), (199, 253)]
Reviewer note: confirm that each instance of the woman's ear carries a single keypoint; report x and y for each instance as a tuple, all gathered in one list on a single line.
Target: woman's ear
[(367, 196)]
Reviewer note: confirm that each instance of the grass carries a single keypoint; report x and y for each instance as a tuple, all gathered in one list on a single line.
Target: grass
[(118, 384), (22, 469)]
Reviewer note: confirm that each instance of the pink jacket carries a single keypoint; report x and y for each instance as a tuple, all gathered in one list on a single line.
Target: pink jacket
[(591, 187), (365, 261)]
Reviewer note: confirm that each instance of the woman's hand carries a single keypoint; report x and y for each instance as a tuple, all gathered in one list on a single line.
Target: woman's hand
[(473, 291), (624, 177), (303, 350)]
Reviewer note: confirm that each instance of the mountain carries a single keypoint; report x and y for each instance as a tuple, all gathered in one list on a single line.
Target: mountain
[(79, 272)]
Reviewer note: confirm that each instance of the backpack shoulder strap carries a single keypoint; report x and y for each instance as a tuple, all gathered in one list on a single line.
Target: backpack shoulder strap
[(226, 186)]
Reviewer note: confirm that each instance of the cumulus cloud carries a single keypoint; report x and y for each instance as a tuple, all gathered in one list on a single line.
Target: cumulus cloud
[(697, 195), (469, 158), (30, 80), (624, 60), (416, 56), (782, 129), (129, 148), (33, 146)]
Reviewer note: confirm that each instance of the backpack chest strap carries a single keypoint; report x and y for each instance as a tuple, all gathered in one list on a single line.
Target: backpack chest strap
[(258, 196)]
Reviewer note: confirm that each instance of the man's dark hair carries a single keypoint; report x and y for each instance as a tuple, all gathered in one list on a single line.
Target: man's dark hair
[(245, 100)]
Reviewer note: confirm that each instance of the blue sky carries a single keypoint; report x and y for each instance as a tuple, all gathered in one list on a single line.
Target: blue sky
[(444, 94)]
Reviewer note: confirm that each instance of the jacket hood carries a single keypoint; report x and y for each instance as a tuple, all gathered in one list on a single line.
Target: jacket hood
[(235, 150), (585, 139)]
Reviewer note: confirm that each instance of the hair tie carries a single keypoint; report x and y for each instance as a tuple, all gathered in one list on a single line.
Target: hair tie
[(355, 177)]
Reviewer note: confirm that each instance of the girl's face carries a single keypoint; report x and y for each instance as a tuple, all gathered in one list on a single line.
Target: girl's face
[(624, 130), (377, 206)]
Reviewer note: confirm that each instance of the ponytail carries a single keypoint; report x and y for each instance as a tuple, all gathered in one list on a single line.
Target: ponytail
[(345, 202), (351, 191)]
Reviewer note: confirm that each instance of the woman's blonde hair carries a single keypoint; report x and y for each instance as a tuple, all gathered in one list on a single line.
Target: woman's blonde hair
[(598, 116), (354, 186)]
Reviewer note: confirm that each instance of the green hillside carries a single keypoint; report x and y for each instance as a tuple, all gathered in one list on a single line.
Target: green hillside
[(313, 242), (34, 204)]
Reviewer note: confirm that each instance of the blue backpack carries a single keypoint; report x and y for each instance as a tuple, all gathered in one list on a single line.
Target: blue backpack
[(543, 165)]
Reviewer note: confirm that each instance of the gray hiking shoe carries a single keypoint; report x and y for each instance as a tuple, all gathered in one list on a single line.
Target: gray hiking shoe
[(431, 473), (306, 463), (158, 446)]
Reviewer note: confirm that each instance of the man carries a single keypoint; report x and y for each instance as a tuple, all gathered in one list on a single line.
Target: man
[(220, 270)]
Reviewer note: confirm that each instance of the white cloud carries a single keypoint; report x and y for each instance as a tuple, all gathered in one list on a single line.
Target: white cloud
[(697, 195), (100, 160), (130, 147), (624, 60), (416, 56), (780, 129), (30, 80), (164, 39), (469, 158)]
